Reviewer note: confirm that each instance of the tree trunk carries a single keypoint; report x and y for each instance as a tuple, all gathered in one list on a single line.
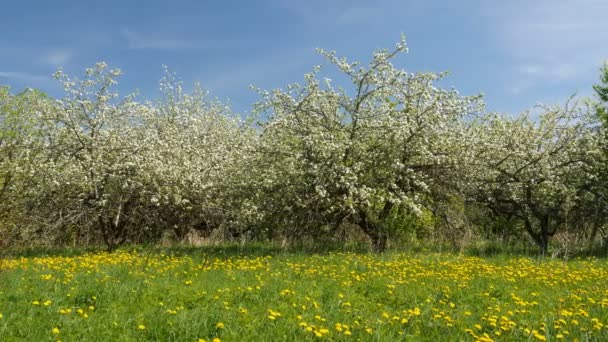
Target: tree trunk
[(543, 243), (545, 234), (541, 238), (379, 243), (110, 246), (373, 230), (113, 231), (108, 235), (379, 239)]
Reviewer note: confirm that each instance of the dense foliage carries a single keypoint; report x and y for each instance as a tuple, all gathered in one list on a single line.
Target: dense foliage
[(388, 156)]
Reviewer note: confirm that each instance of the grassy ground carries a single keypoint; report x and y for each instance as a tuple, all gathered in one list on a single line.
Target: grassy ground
[(262, 295)]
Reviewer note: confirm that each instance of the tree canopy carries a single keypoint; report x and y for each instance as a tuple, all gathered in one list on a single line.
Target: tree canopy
[(386, 156)]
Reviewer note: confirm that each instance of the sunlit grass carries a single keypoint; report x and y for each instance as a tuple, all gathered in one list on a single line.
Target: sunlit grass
[(338, 296)]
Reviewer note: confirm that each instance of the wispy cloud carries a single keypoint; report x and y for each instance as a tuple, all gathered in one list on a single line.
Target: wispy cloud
[(550, 42), (268, 69), (23, 76), (334, 13), (553, 71), (137, 41), (356, 15), (57, 58)]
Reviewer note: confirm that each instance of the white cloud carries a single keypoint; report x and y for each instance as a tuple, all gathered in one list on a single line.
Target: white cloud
[(550, 41), (356, 15), (552, 71), (329, 14), (516, 89), (58, 58), (271, 67), (23, 76), (137, 41)]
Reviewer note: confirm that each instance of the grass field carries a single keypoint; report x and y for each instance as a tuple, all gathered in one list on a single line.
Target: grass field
[(196, 295)]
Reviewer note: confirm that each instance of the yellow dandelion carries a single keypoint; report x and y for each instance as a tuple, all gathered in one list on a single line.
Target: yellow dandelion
[(55, 330), (141, 327)]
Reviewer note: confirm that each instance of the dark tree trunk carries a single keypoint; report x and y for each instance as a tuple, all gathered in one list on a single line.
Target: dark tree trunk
[(594, 230), (543, 243), (379, 243), (374, 230), (110, 246), (378, 238), (113, 237), (113, 231), (541, 237), (544, 235)]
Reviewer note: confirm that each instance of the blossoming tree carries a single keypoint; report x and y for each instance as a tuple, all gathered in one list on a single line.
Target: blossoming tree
[(535, 170), (355, 155)]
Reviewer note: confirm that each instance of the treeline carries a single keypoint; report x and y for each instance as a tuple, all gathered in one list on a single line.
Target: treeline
[(392, 158)]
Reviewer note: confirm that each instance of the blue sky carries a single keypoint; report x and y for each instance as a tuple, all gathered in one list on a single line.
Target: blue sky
[(517, 53)]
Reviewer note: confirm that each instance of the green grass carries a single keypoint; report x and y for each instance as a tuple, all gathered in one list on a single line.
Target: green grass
[(263, 293)]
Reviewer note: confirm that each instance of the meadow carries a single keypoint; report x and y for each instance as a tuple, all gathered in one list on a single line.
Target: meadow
[(202, 295)]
